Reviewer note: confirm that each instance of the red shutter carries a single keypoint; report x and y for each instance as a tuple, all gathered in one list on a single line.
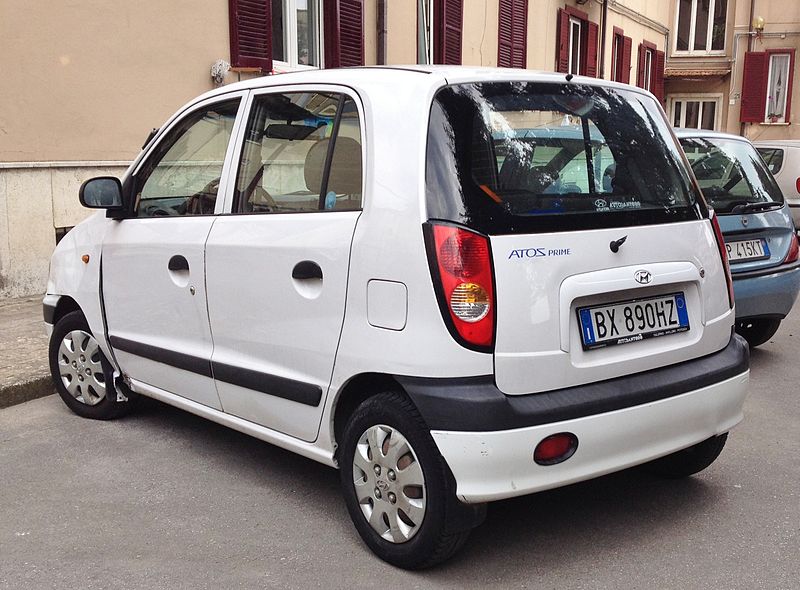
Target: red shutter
[(590, 67), (657, 83), (624, 74), (754, 87), (344, 33), (562, 42), (448, 26), (512, 34), (251, 33), (640, 72)]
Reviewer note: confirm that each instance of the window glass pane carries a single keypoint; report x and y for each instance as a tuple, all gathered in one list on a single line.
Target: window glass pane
[(773, 157), (684, 22), (776, 93), (307, 27), (676, 113), (423, 31), (692, 114), (575, 47), (718, 32), (182, 176), (278, 37), (343, 190), (709, 115), (701, 24), (648, 68)]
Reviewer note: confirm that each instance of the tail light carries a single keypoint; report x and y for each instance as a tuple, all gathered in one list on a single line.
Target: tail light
[(461, 266), (723, 252), (794, 251), (797, 184)]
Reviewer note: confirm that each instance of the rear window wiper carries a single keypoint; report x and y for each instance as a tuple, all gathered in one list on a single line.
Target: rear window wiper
[(752, 207)]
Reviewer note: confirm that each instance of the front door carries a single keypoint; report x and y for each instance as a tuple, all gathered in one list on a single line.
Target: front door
[(277, 267), (154, 262)]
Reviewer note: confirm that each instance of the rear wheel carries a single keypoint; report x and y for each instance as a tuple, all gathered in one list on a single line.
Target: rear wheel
[(395, 484), (82, 375), (757, 331), (689, 461)]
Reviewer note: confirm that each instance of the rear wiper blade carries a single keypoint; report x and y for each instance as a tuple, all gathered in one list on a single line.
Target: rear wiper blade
[(752, 207)]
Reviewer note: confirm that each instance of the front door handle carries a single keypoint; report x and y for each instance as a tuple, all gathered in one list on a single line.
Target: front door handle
[(306, 270), (177, 263)]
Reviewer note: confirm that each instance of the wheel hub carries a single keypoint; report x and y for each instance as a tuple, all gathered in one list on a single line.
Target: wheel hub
[(81, 368)]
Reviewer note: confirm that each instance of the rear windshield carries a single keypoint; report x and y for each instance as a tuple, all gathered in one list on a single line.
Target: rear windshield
[(530, 157), (730, 173)]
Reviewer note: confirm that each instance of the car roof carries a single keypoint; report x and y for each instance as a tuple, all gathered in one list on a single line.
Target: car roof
[(778, 142), (706, 134)]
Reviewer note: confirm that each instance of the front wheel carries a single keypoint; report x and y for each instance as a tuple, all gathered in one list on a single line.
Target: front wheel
[(757, 332), (689, 461), (395, 484)]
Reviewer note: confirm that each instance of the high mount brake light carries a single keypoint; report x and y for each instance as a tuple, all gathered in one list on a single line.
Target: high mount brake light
[(461, 265), (723, 252)]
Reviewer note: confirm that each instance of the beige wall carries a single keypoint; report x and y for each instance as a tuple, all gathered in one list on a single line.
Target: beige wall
[(401, 38)]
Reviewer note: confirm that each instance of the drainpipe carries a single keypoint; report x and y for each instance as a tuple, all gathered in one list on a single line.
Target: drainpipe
[(750, 34), (603, 25), (383, 6)]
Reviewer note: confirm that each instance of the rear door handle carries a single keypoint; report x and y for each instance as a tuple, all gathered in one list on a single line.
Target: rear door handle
[(306, 269), (178, 262)]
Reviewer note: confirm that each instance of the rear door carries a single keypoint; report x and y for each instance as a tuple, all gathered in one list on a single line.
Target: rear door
[(277, 267)]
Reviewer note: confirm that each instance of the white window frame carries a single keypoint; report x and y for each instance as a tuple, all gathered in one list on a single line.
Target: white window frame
[(290, 38), (575, 22), (769, 86), (649, 55), (692, 26), (425, 26), (701, 98)]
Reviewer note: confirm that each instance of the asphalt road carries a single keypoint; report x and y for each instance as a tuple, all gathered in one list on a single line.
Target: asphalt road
[(163, 499)]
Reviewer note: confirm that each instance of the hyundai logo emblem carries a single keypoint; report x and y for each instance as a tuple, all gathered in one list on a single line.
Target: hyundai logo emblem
[(643, 277)]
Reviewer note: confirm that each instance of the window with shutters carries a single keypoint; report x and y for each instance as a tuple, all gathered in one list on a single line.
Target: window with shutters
[(700, 26), (621, 57), (695, 111), (448, 24), (512, 34), (576, 50), (767, 86), (344, 33), (650, 74)]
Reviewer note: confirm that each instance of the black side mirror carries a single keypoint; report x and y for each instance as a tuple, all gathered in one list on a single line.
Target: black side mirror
[(103, 192)]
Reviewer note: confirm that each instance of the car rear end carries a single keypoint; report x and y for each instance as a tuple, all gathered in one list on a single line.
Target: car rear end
[(567, 239), (756, 222), (783, 160)]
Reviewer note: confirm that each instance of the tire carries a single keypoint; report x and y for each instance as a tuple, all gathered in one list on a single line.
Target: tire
[(689, 461), (421, 536), (757, 332), (82, 379)]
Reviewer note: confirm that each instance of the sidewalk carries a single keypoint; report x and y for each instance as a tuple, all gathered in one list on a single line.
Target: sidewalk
[(24, 372)]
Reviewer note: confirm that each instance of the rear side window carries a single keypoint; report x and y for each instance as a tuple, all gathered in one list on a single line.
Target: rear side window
[(773, 157), (730, 173), (528, 157)]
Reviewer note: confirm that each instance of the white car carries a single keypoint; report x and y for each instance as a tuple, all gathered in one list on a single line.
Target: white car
[(783, 159), (456, 285)]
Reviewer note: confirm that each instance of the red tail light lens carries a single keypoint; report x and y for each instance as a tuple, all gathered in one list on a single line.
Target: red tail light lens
[(797, 184), (723, 252), (794, 251), (555, 449), (462, 268)]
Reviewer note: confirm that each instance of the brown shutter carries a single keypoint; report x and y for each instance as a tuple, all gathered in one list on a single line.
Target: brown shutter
[(344, 33), (590, 67), (251, 33), (512, 34), (754, 87), (562, 42), (657, 83), (642, 59), (625, 69), (448, 25)]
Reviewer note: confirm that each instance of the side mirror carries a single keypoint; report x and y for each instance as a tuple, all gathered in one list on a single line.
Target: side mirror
[(103, 192)]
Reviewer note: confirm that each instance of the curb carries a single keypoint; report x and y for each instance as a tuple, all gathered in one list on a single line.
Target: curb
[(19, 393)]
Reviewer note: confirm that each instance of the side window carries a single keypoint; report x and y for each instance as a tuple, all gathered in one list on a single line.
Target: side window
[(773, 157), (302, 152), (181, 177)]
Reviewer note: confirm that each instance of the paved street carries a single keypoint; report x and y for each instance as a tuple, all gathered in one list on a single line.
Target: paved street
[(162, 499)]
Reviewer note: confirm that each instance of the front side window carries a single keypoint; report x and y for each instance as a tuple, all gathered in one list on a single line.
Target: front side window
[(701, 25), (524, 158), (302, 152), (730, 173), (182, 175), (777, 87)]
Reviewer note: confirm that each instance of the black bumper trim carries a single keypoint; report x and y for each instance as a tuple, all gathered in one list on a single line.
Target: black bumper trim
[(476, 404), (49, 312)]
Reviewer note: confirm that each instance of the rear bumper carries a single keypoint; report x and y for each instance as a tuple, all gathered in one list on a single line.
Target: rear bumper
[(769, 292), (491, 466)]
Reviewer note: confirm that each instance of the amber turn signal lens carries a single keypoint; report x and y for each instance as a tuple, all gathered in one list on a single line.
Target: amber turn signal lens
[(85, 258)]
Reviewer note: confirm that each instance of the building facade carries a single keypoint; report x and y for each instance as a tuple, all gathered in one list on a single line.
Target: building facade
[(90, 79)]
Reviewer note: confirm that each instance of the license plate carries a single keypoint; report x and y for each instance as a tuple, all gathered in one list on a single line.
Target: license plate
[(632, 321), (747, 250)]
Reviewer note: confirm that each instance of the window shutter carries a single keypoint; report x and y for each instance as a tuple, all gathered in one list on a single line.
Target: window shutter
[(344, 33), (590, 67), (754, 87), (513, 34), (657, 85), (448, 15), (562, 42), (624, 75), (251, 33), (640, 72)]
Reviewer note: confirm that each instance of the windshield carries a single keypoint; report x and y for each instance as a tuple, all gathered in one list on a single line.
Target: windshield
[(730, 173), (528, 157)]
